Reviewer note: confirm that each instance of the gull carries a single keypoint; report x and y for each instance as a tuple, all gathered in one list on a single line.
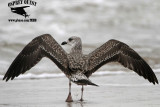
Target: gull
[(75, 65)]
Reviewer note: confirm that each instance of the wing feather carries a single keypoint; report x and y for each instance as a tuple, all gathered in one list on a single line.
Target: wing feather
[(116, 51), (41, 46)]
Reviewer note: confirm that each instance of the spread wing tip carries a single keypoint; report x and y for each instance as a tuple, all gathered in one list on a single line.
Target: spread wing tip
[(151, 78), (7, 77), (155, 81)]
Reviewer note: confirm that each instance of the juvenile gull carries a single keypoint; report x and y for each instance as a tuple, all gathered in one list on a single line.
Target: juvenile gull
[(75, 65)]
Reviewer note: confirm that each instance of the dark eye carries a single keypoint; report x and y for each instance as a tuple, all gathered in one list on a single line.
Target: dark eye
[(70, 39)]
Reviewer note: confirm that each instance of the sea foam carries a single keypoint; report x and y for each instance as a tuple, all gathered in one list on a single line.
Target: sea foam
[(57, 75)]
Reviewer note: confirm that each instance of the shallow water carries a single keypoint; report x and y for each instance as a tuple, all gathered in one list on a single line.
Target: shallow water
[(95, 21), (121, 90)]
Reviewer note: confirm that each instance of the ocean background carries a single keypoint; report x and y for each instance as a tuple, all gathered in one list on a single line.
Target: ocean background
[(134, 22)]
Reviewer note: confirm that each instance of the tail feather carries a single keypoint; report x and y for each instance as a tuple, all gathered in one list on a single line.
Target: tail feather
[(81, 79), (85, 82)]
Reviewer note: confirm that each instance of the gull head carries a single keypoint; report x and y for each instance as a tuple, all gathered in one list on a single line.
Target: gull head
[(72, 41)]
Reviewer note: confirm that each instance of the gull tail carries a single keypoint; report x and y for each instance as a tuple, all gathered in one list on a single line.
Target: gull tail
[(86, 82), (81, 79), (91, 83)]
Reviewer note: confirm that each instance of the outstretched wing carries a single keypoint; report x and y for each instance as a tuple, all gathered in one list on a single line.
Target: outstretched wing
[(116, 51), (41, 46)]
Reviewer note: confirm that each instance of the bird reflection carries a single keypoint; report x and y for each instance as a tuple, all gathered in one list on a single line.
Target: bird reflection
[(73, 104)]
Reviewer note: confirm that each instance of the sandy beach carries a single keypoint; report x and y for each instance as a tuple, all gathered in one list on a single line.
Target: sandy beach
[(125, 90)]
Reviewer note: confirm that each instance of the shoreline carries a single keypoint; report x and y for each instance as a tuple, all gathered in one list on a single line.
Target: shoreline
[(113, 90)]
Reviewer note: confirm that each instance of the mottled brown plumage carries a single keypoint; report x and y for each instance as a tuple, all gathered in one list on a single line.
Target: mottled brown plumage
[(75, 65), (116, 51), (42, 46)]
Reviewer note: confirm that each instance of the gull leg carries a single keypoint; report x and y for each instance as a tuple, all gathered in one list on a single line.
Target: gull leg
[(69, 98), (82, 93)]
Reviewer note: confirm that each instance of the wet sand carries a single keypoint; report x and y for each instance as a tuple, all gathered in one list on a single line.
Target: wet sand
[(121, 90)]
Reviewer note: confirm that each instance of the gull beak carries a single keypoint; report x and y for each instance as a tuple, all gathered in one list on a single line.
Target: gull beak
[(63, 43)]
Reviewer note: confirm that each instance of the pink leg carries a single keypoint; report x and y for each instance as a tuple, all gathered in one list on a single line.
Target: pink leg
[(69, 98), (82, 94)]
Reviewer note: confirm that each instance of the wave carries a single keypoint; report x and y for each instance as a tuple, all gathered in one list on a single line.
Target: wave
[(37, 76), (53, 75), (127, 85)]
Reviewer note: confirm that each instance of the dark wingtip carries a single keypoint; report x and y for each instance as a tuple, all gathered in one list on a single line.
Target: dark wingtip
[(4, 78), (155, 82), (7, 79)]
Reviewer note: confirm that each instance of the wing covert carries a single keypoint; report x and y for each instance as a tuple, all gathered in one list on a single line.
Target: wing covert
[(41, 46), (116, 51)]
